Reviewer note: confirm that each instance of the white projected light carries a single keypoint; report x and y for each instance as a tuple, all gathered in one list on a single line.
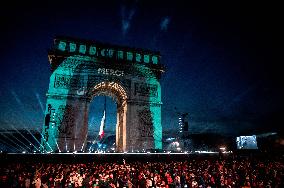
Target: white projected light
[(247, 142)]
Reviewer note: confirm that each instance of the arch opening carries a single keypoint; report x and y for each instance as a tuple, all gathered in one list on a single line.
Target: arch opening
[(101, 124), (115, 91)]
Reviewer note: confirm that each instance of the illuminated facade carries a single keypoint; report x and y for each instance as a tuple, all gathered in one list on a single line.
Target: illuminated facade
[(82, 70)]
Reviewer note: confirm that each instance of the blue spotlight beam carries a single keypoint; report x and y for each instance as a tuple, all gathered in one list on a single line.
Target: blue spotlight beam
[(40, 103), (25, 137), (13, 141), (33, 136), (18, 100), (18, 140), (42, 138), (84, 142), (7, 144), (24, 145), (93, 143)]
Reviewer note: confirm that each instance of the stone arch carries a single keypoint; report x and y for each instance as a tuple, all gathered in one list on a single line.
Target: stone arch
[(82, 70)]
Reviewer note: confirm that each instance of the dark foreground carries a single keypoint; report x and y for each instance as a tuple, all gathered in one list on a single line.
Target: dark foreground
[(142, 170)]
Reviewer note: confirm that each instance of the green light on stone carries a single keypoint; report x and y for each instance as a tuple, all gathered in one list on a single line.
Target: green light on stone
[(72, 47), (62, 46), (82, 49), (155, 59), (156, 114), (138, 57), (103, 52), (157, 128), (93, 50), (110, 53), (119, 54), (129, 56), (146, 58), (68, 103)]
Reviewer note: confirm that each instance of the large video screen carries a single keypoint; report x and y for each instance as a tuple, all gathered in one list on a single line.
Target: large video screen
[(247, 142)]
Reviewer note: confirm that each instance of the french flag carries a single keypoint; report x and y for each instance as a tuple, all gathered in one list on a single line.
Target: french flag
[(101, 133)]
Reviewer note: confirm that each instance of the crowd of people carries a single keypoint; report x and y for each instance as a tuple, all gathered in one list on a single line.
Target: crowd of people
[(196, 172)]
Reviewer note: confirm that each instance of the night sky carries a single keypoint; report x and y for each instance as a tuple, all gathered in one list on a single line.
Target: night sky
[(222, 59)]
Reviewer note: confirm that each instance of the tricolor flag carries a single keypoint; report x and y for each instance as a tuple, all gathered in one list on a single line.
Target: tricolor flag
[(101, 133)]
